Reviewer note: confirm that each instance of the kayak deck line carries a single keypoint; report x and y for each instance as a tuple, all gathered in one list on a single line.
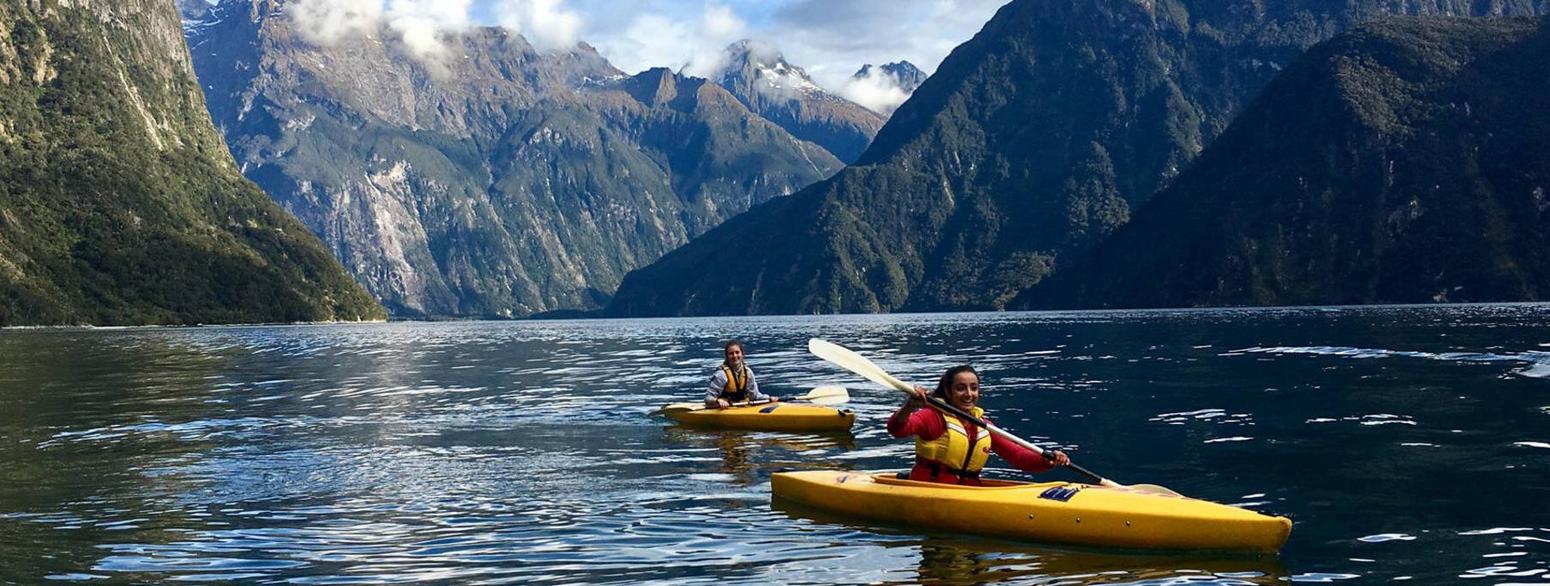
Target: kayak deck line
[(1055, 512)]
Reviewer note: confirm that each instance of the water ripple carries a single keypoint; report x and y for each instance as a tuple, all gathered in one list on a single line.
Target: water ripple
[(527, 453)]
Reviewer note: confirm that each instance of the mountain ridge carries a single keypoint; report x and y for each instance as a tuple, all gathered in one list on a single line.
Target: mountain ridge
[(496, 180), (762, 79), (982, 180)]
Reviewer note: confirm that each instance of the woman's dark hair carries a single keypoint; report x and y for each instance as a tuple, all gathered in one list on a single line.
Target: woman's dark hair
[(729, 344), (946, 384)]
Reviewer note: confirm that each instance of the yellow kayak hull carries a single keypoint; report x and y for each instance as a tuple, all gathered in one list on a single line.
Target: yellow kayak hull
[(769, 417), (1055, 512)]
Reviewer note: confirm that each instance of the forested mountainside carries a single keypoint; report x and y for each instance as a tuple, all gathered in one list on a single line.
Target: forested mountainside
[(1404, 162), (119, 203), (1031, 142), (492, 178)]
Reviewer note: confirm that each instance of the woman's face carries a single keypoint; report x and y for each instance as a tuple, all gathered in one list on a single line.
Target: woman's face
[(965, 391), (734, 354)]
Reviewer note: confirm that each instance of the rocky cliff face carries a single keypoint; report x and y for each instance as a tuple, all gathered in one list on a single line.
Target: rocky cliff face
[(781, 92), (119, 203), (1031, 142), (1405, 162), (492, 179)]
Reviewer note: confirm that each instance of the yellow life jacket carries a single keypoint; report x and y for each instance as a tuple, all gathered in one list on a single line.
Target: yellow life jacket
[(736, 389), (952, 451)]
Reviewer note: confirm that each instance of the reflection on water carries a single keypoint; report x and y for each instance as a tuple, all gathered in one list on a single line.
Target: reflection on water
[(1406, 443), (949, 559), (801, 450)]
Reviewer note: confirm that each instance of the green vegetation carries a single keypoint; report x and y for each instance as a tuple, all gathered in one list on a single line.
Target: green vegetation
[(1404, 162), (118, 202)]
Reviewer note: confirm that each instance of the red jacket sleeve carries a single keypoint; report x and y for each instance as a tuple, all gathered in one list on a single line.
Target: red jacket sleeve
[(923, 423), (1019, 457)]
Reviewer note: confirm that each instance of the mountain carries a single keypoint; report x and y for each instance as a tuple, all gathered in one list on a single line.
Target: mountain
[(783, 93), (900, 74), (487, 178), (883, 88), (1404, 162), (119, 203), (1031, 141)]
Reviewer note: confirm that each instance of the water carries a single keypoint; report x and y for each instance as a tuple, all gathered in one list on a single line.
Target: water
[(1405, 443)]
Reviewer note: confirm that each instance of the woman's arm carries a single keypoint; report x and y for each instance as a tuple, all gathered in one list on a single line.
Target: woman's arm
[(1025, 459), (913, 419), (718, 381)]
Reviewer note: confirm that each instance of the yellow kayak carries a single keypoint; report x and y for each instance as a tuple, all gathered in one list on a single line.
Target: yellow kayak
[(1060, 512), (766, 417)]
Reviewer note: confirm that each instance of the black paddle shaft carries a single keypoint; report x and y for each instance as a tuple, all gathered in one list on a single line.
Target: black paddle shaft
[(949, 408)]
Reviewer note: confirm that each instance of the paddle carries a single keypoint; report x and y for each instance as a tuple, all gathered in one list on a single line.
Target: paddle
[(824, 395), (854, 362)]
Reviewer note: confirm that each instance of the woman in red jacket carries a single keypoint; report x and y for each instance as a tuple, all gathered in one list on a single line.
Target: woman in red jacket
[(951, 450)]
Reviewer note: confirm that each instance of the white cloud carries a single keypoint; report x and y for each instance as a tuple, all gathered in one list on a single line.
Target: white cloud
[(876, 91), (691, 41), (327, 22), (718, 28), (548, 24), (834, 38), (426, 25)]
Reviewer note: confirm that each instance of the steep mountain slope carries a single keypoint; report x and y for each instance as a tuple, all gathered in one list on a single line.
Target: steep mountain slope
[(118, 201), (781, 92), (1404, 162), (1031, 141), (489, 180)]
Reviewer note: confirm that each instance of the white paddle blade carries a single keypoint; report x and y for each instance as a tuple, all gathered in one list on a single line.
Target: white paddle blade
[(854, 362), (827, 395), (680, 407), (1151, 488)]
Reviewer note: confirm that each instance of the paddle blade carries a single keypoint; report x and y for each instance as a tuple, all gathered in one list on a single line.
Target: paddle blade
[(679, 408), (845, 358), (1153, 489), (827, 395)]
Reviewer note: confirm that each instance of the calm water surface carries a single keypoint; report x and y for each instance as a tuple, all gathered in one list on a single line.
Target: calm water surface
[(1405, 443)]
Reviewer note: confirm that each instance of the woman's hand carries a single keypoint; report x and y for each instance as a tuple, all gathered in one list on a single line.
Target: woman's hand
[(916, 401), (1058, 458), (722, 404)]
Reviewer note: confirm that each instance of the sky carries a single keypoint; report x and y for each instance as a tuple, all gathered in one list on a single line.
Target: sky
[(831, 39)]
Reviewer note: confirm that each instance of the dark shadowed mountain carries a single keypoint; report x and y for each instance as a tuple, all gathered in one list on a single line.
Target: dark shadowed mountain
[(489, 178), (1404, 162), (1031, 142), (783, 93), (119, 203)]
